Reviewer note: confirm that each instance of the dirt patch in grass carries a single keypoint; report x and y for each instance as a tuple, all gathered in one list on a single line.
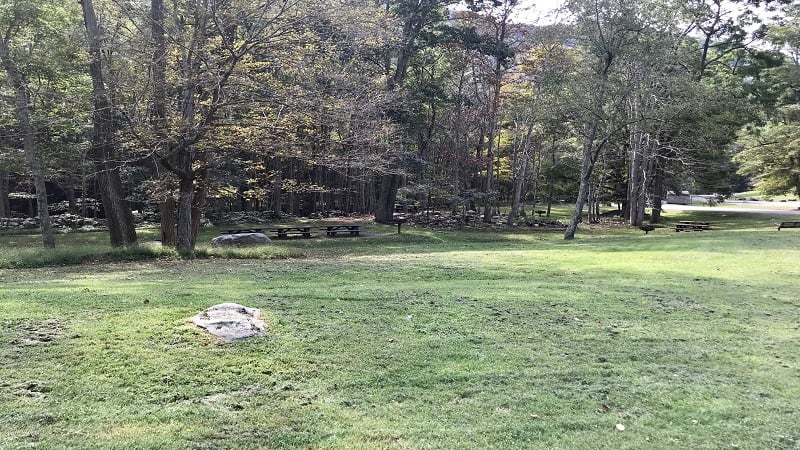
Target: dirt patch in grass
[(32, 389), (37, 332)]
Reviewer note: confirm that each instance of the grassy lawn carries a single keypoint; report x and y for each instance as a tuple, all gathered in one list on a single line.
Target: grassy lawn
[(428, 339)]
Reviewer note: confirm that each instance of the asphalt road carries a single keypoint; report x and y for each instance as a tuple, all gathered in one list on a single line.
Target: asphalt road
[(745, 207)]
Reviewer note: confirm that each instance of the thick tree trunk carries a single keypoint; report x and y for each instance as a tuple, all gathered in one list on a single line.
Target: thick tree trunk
[(184, 214), (23, 114), (387, 194), (119, 217), (169, 236)]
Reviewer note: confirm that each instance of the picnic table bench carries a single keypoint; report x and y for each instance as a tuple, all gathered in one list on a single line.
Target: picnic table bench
[(284, 232), (241, 230), (790, 224), (348, 228), (691, 225), (280, 232)]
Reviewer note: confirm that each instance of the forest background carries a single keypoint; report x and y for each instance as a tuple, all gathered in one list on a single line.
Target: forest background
[(195, 108)]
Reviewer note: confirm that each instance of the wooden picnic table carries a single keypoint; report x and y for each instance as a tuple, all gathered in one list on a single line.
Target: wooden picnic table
[(692, 225), (286, 231), (241, 230), (789, 224), (345, 228)]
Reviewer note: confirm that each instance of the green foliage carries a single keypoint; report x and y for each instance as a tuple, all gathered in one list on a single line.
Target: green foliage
[(771, 154)]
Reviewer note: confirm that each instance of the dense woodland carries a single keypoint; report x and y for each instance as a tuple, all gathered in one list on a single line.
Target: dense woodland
[(202, 107)]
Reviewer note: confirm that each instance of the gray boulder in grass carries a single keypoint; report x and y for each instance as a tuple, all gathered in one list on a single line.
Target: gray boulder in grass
[(231, 321), (240, 240)]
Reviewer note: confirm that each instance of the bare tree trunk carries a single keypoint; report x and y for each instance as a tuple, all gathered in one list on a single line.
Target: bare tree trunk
[(590, 151), (519, 182), (185, 200), (636, 177), (591, 148), (168, 205), (104, 152), (5, 204), (169, 236), (551, 178), (658, 190), (198, 206), (23, 114), (521, 176), (487, 208), (277, 183), (72, 207), (387, 194)]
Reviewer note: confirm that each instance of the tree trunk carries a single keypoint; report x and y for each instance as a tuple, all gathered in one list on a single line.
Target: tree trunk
[(119, 217), (186, 188), (636, 177), (72, 207), (591, 148), (5, 204), (487, 207), (277, 183), (521, 176), (590, 151), (198, 207), (519, 182), (169, 236), (23, 114), (658, 191), (387, 194)]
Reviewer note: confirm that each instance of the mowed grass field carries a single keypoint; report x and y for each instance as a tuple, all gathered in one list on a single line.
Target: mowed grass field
[(427, 339)]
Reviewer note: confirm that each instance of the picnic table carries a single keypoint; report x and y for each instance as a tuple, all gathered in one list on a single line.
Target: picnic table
[(692, 225), (280, 232), (789, 224), (284, 232), (345, 228), (241, 230)]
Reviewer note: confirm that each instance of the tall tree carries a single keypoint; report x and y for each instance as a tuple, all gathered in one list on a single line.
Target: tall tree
[(29, 47), (494, 18), (415, 17), (771, 152), (104, 151), (607, 28), (209, 41)]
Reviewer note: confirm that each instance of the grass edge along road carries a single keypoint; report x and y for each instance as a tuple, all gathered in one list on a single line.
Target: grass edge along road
[(425, 340)]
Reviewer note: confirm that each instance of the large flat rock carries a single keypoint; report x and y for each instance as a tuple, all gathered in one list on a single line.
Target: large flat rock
[(231, 321), (240, 240)]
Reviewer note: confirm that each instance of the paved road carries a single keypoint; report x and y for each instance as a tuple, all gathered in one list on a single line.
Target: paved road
[(791, 208)]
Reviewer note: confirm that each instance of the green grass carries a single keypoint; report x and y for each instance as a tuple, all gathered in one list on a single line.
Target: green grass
[(760, 195), (428, 339)]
